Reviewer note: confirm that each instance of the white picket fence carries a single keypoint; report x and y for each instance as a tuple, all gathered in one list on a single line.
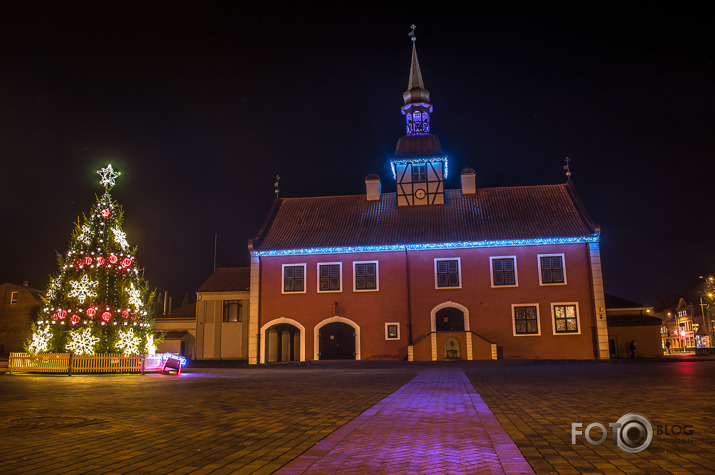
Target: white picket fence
[(67, 363)]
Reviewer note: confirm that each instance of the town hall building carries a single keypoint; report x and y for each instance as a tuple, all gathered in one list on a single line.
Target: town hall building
[(424, 273)]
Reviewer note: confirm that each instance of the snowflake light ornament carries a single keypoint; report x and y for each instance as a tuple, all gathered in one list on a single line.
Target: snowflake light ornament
[(86, 235), (120, 237), (82, 288), (150, 346), (40, 340), (135, 297), (128, 342), (108, 176), (82, 342)]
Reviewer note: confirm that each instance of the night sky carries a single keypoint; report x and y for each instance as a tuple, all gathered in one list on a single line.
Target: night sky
[(201, 104)]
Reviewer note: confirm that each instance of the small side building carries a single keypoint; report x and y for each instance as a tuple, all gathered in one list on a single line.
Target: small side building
[(222, 315), (629, 321), (179, 329), (19, 305)]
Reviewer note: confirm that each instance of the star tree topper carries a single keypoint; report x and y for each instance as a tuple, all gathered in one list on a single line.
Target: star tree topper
[(108, 176)]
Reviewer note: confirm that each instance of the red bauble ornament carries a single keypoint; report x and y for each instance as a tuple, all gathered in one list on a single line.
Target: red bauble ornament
[(62, 314), (100, 260), (125, 313), (106, 315), (105, 212), (55, 316), (91, 312), (74, 319), (88, 260), (126, 262), (113, 259)]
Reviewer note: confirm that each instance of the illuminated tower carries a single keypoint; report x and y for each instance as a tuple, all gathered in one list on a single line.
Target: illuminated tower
[(418, 165)]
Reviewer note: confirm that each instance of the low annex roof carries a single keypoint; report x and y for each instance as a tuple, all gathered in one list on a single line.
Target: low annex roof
[(491, 214), (227, 279)]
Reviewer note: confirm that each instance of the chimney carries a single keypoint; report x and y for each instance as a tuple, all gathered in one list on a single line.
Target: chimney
[(469, 186), (25, 283), (373, 186)]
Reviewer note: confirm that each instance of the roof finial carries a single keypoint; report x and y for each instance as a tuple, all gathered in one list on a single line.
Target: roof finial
[(566, 167), (276, 190), (411, 34)]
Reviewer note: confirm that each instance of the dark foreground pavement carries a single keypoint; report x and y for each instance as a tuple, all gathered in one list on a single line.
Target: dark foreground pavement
[(260, 419)]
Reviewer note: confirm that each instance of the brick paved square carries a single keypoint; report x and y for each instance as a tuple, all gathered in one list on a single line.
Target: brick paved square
[(257, 420)]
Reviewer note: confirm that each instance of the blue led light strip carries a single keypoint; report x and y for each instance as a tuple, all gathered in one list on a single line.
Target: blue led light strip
[(427, 247), (407, 161)]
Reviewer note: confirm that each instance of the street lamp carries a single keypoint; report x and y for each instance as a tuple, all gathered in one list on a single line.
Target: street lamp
[(710, 281)]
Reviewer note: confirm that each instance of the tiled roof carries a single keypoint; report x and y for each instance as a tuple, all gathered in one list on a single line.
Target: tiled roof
[(227, 279), (616, 302), (632, 320), (186, 311), (510, 213), (413, 146)]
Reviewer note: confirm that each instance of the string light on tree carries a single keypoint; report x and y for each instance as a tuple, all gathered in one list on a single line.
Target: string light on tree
[(97, 283), (39, 340), (82, 342), (120, 237), (108, 175), (128, 342), (82, 288)]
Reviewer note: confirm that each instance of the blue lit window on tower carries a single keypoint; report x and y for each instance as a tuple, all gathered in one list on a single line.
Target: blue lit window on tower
[(419, 173)]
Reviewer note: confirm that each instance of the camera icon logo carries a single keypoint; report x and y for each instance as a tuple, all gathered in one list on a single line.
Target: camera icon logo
[(632, 433)]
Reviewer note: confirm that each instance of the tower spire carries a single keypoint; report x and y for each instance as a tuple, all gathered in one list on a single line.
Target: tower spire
[(416, 93), (418, 165)]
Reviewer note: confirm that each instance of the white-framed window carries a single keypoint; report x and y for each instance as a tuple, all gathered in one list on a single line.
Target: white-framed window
[(366, 276), (13, 297), (392, 331), (293, 279), (525, 319), (552, 269), (447, 273), (565, 318), (503, 271), (232, 311), (330, 277)]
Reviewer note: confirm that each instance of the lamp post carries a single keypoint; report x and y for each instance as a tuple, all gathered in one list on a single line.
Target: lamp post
[(709, 282)]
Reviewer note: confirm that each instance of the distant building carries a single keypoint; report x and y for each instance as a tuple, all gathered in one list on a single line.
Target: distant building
[(686, 327), (222, 315), (19, 305), (628, 321), (421, 273), (179, 329)]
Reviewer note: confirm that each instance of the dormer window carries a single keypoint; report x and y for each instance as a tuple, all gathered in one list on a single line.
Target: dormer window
[(419, 173)]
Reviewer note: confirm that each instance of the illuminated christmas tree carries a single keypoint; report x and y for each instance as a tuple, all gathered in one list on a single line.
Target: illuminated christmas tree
[(98, 301)]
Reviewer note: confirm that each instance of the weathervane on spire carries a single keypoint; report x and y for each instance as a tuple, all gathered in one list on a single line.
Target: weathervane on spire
[(411, 34), (108, 176), (566, 167), (276, 190)]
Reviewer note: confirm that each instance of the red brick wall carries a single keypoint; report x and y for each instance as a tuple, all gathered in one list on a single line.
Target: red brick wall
[(489, 308)]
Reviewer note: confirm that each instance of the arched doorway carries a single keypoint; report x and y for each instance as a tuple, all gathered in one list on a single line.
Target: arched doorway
[(283, 343), (449, 319), (336, 341), (282, 339)]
